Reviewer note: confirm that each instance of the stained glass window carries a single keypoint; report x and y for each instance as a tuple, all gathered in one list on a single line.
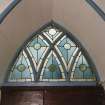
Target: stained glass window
[(50, 55), (52, 69), (37, 49), (82, 70), (21, 70)]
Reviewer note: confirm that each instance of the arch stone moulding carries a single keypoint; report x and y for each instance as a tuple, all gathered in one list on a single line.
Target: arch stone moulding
[(52, 56), (8, 9)]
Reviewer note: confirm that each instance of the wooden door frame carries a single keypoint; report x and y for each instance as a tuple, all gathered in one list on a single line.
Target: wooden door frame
[(88, 89)]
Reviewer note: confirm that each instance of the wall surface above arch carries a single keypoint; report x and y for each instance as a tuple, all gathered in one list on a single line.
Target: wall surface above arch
[(75, 15)]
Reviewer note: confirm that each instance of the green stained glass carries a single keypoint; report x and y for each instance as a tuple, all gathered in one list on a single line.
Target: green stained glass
[(21, 67), (83, 67), (52, 68)]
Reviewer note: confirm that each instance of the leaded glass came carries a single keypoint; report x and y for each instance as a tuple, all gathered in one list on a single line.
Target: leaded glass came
[(52, 54)]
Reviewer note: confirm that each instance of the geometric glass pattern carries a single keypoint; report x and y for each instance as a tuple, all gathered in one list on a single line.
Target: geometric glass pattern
[(50, 55), (37, 49), (81, 70), (22, 70), (67, 50), (52, 69)]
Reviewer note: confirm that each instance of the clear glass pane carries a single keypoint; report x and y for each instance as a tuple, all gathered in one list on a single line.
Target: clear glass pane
[(52, 70)]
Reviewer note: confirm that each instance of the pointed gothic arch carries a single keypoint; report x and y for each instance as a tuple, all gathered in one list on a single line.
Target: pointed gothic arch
[(52, 56)]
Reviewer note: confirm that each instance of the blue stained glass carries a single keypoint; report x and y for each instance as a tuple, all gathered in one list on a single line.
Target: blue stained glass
[(52, 69), (67, 47), (54, 74), (54, 57), (21, 69), (88, 73), (62, 42), (32, 43), (82, 60), (25, 74), (82, 70), (78, 74), (15, 74), (64, 52), (42, 43), (37, 48), (70, 53)]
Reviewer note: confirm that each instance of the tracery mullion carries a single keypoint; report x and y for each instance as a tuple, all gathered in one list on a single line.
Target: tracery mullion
[(37, 50), (73, 62), (79, 55), (52, 48), (54, 43), (31, 63), (13, 64), (47, 40), (59, 57), (42, 63), (91, 64), (47, 53), (27, 66)]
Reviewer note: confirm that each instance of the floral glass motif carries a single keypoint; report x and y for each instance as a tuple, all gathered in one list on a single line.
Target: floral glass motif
[(52, 69), (52, 55)]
